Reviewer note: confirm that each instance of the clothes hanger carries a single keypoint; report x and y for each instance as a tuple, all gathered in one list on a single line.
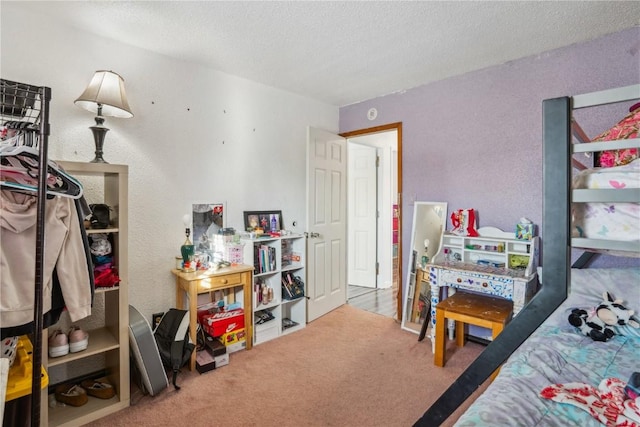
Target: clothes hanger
[(24, 158)]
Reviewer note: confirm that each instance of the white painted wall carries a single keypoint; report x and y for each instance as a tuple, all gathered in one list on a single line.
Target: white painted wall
[(198, 136)]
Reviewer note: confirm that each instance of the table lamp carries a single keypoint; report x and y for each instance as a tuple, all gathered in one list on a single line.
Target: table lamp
[(105, 96), (187, 250)]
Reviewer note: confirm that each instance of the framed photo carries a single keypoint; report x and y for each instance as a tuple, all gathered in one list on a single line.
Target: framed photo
[(156, 318), (268, 221), (208, 218)]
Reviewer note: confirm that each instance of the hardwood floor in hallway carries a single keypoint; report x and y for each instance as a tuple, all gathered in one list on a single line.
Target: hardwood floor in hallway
[(380, 301)]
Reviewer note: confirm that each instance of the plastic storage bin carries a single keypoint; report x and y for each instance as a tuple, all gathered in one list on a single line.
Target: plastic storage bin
[(17, 409)]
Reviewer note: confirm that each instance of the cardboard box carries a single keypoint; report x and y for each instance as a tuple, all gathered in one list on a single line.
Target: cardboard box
[(232, 337), (232, 348), (221, 360), (217, 324), (205, 361), (525, 231), (206, 309), (215, 347)]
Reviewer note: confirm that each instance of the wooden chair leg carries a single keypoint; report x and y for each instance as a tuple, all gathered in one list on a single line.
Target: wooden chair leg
[(441, 326)]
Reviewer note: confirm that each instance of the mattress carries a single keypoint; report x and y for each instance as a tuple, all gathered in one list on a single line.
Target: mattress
[(556, 353), (610, 221)]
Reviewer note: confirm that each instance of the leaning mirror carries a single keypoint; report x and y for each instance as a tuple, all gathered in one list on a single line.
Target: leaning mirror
[(429, 221)]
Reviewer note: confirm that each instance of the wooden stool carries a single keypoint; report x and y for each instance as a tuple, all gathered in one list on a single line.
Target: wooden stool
[(473, 309)]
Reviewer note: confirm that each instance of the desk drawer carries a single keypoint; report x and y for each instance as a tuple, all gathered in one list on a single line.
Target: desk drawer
[(205, 285), (498, 286)]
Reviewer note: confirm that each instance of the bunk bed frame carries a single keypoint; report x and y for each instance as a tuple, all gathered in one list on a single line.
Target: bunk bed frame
[(556, 254), (16, 101)]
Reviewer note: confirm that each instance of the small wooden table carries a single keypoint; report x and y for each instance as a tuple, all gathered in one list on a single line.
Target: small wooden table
[(204, 281), (467, 308)]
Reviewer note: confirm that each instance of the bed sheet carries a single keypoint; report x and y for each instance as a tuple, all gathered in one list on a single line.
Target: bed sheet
[(556, 354), (611, 221)]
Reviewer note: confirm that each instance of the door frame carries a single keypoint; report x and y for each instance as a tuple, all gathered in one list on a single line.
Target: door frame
[(397, 126)]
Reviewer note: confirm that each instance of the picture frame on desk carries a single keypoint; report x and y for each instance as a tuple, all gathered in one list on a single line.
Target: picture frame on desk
[(268, 221), (208, 219)]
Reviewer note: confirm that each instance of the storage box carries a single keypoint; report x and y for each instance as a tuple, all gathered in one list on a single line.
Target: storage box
[(19, 378), (216, 324), (222, 360), (525, 231), (207, 309), (215, 347), (234, 253), (205, 361), (234, 340), (265, 334), (232, 337), (232, 348)]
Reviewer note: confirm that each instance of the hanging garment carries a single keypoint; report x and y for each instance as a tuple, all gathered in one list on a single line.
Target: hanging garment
[(64, 250), (52, 316)]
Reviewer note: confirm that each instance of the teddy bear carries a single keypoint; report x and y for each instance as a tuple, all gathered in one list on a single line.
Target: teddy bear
[(598, 323)]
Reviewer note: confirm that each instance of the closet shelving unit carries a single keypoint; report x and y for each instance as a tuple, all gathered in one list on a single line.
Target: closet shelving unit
[(30, 103), (108, 335)]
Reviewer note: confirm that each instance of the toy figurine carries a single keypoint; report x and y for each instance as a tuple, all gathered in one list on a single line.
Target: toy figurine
[(598, 324)]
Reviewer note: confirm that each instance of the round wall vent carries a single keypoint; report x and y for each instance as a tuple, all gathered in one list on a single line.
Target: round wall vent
[(372, 114)]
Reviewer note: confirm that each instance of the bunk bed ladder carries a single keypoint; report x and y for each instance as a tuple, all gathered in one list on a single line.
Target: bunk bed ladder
[(555, 259)]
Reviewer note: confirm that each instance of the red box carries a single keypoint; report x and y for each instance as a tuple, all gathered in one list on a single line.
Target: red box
[(217, 324), (206, 309)]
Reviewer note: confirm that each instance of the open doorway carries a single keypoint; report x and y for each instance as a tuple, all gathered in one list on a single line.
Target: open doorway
[(374, 228)]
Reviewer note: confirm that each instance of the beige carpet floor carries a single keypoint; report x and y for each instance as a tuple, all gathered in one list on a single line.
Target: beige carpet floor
[(348, 368)]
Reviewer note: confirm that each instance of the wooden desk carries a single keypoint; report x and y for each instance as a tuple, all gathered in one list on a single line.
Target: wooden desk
[(204, 281), (511, 285)]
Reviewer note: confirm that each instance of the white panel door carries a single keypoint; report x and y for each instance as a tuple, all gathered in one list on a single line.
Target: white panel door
[(326, 222), (363, 216)]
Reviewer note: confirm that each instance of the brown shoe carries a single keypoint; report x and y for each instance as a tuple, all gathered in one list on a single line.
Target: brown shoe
[(100, 389), (71, 394)]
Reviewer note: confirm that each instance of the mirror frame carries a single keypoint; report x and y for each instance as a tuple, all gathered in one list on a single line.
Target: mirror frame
[(429, 222)]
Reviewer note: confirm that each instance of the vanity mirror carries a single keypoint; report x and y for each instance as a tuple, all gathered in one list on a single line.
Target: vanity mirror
[(429, 221)]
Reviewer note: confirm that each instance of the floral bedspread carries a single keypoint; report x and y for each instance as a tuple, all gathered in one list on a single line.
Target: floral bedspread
[(557, 354), (607, 403), (614, 221)]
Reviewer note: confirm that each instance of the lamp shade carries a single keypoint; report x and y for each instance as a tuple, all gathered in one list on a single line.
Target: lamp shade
[(107, 89)]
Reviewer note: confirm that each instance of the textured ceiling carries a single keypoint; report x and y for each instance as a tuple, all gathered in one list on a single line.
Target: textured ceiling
[(345, 52)]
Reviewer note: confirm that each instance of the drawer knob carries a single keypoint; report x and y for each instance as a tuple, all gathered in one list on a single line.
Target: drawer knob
[(459, 280), (484, 284), (224, 280)]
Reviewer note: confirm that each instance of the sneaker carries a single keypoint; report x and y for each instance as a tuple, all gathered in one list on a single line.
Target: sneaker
[(78, 339), (71, 394), (58, 344)]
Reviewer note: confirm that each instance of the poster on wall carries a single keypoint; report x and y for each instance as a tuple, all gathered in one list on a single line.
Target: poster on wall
[(208, 218)]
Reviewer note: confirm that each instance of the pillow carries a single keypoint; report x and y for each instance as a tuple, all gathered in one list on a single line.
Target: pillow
[(627, 128)]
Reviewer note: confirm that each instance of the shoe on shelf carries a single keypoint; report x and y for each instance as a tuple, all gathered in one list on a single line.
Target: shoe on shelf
[(78, 339), (58, 344), (101, 389), (71, 394)]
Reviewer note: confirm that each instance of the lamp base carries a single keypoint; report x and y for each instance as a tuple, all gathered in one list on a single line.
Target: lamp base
[(99, 133)]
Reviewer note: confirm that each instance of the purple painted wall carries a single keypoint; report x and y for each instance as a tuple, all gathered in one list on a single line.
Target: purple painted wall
[(475, 140)]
